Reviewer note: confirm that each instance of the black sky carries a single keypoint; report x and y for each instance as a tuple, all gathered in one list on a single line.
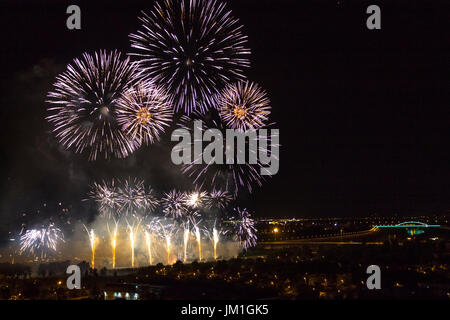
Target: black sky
[(363, 115)]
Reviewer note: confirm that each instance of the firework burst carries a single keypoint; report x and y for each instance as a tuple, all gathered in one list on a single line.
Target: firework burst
[(193, 47), (174, 204), (196, 199), (84, 102), (144, 112), (218, 199), (245, 228), (133, 197), (244, 106), (41, 242), (123, 198), (106, 196), (231, 177)]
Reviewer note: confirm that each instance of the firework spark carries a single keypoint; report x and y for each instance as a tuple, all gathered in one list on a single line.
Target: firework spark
[(144, 112), (193, 47), (244, 106), (84, 105)]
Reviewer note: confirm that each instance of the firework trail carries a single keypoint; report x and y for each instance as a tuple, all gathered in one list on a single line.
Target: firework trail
[(41, 241), (244, 106), (92, 241), (199, 242), (143, 112), (113, 236), (148, 242), (84, 105), (245, 228), (132, 230), (168, 230), (193, 47), (188, 222), (153, 228), (215, 241), (185, 241), (169, 247)]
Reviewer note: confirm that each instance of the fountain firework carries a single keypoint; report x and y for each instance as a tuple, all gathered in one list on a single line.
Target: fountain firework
[(132, 228), (148, 241), (215, 241), (169, 246), (113, 236), (167, 232), (185, 240), (153, 228), (199, 242), (91, 235)]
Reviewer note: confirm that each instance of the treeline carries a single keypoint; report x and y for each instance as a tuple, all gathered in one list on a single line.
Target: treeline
[(49, 269), (16, 270)]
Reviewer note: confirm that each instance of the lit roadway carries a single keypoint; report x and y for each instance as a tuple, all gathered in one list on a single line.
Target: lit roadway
[(349, 238)]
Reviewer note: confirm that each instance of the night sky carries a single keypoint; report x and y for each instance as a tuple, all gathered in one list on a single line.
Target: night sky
[(363, 115)]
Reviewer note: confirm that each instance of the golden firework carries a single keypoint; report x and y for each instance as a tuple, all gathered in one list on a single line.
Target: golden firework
[(143, 116), (240, 112)]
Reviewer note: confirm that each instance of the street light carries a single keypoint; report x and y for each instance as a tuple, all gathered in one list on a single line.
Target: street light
[(275, 231)]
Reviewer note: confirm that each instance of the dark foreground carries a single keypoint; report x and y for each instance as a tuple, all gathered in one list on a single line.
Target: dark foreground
[(411, 268)]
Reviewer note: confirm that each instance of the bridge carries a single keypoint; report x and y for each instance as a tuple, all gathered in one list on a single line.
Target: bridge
[(410, 224)]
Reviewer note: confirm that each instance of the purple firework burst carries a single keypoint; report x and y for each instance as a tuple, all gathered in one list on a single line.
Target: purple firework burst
[(193, 47), (244, 106), (144, 112), (84, 105)]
